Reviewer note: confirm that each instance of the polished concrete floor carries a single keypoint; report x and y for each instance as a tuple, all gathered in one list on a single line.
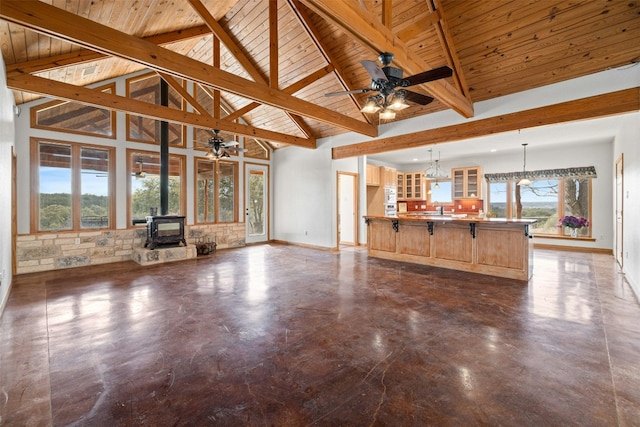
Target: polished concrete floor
[(288, 336)]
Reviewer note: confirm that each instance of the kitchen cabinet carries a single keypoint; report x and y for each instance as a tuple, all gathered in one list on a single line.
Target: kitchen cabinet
[(388, 176), (373, 175), (467, 182), (411, 186)]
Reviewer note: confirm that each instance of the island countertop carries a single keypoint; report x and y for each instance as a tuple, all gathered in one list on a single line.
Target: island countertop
[(452, 218), (494, 246)]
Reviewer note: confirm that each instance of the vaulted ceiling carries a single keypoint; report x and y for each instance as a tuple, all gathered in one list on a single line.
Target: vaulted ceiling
[(269, 64)]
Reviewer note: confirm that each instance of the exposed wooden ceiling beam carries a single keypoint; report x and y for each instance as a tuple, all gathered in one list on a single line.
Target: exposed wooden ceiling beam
[(87, 55), (300, 84), (245, 61), (349, 17), (446, 41), (171, 81), (624, 101), (411, 28), (40, 85), (306, 23), (58, 23)]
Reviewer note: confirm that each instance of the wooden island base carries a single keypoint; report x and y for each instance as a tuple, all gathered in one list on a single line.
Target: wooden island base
[(495, 247)]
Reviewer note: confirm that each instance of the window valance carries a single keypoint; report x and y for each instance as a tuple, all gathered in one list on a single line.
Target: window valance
[(578, 173)]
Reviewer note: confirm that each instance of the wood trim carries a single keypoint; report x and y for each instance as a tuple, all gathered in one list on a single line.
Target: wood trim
[(608, 104), (55, 22), (545, 246), (364, 27)]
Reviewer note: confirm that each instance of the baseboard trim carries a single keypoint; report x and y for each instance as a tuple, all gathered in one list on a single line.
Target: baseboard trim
[(304, 245), (603, 251)]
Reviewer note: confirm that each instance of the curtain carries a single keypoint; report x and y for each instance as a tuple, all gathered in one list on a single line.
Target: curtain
[(578, 173)]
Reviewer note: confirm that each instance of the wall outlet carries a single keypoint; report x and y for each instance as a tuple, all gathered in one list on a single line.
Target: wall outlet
[(306, 232), (77, 240)]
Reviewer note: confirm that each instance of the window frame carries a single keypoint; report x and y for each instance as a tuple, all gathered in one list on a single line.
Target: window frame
[(130, 170), (510, 208), (183, 103), (76, 184), (216, 170), (35, 110)]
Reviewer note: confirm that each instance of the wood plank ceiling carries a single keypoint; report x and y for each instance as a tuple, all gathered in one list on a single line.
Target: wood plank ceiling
[(269, 63)]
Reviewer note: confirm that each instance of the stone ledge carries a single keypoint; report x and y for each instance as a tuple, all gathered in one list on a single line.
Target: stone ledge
[(144, 256)]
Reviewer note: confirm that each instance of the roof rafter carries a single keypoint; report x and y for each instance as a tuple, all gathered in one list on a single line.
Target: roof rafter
[(56, 22), (82, 95), (239, 53), (87, 55), (361, 25)]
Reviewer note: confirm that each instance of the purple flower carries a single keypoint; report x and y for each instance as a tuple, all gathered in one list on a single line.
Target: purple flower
[(573, 222)]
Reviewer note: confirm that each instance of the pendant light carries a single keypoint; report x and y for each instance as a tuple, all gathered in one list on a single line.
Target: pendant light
[(524, 181)]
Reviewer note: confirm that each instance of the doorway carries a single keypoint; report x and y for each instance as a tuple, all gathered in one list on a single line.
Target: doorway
[(619, 250), (347, 220), (256, 192)]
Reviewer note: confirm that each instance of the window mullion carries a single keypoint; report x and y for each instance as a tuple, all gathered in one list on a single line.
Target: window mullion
[(76, 185)]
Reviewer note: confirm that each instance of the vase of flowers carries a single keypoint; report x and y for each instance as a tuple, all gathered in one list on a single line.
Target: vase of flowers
[(573, 223)]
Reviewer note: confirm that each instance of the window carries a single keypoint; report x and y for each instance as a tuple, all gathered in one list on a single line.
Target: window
[(73, 117), (538, 201), (256, 149), (74, 183), (439, 192), (545, 200), (144, 184), (147, 88), (216, 183)]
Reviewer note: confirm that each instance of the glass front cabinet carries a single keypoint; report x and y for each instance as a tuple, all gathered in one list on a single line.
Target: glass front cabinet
[(467, 182)]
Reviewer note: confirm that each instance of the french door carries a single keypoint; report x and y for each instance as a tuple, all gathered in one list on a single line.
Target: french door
[(256, 192)]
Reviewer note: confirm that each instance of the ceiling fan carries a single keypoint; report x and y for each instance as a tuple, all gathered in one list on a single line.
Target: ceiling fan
[(218, 149), (140, 173), (386, 80)]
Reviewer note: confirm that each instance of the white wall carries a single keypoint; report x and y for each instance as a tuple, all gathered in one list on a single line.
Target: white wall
[(627, 143), (7, 141)]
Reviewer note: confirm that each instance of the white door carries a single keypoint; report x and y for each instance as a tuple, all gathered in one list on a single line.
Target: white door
[(256, 203), (347, 209)]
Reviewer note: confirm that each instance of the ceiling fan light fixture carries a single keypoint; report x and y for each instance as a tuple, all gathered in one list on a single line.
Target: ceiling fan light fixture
[(398, 103), (371, 106), (387, 114)]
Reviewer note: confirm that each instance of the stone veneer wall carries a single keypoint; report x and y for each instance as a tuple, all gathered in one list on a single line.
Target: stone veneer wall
[(55, 251)]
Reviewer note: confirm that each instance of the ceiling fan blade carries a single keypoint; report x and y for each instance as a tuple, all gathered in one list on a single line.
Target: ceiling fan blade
[(229, 144), (374, 71), (417, 98), (428, 76), (347, 92)]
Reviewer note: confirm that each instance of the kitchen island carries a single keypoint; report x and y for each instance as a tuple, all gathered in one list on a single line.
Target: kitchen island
[(492, 246)]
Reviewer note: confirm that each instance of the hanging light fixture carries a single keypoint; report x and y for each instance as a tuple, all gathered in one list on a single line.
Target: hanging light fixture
[(433, 169), (387, 104), (525, 180)]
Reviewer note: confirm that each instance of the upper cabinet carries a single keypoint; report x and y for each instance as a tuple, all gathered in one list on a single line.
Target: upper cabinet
[(388, 176), (467, 182), (381, 176), (411, 186), (373, 175)]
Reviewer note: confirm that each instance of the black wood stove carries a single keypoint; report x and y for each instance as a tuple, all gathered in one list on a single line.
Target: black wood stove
[(165, 230)]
